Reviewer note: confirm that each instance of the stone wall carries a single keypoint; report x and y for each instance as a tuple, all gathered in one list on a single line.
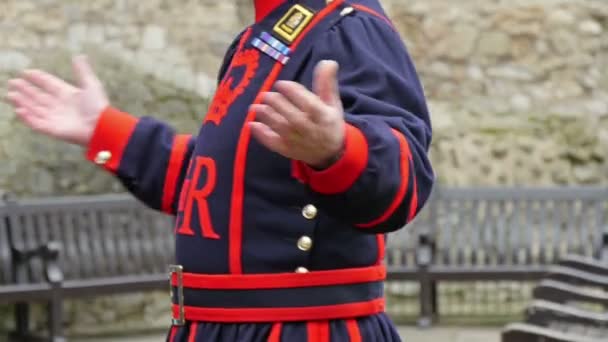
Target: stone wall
[(518, 89)]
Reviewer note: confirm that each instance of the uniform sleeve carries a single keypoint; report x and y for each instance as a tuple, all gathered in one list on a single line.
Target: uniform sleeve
[(384, 176), (145, 154)]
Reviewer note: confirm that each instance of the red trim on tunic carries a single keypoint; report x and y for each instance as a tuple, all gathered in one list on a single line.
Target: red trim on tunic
[(309, 313), (414, 203), (176, 160), (406, 156), (235, 229), (282, 280), (372, 12), (381, 248)]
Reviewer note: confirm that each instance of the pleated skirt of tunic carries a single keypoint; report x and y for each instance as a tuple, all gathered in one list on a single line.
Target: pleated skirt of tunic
[(376, 328)]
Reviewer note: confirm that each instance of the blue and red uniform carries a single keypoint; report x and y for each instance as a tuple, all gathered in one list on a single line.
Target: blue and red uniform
[(271, 249)]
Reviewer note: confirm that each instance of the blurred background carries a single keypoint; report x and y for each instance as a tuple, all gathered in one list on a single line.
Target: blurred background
[(518, 92)]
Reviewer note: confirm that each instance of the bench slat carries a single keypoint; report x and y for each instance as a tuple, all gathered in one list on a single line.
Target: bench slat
[(109, 243), (475, 232), (84, 235), (73, 266), (96, 238), (5, 252), (59, 233), (134, 237), (544, 234), (32, 241)]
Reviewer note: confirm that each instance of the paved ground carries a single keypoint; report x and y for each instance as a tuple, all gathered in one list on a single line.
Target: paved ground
[(408, 334)]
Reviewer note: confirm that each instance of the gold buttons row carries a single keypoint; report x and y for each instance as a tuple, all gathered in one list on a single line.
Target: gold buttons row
[(305, 242)]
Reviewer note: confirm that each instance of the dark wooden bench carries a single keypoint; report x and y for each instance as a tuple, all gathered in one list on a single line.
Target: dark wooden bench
[(570, 305), (494, 235), (102, 245), (5, 251), (113, 244), (18, 284)]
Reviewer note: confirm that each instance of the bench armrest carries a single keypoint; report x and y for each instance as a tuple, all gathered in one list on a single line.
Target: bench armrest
[(522, 332), (544, 313), (559, 292), (585, 264), (577, 277)]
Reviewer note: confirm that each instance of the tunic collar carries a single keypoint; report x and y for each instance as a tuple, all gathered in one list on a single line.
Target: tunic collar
[(264, 7)]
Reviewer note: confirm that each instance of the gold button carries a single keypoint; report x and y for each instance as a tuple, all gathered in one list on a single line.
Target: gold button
[(305, 243), (301, 270), (346, 11), (103, 157), (309, 211)]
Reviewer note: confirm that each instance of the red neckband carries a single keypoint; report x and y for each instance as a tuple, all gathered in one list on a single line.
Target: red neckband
[(264, 7)]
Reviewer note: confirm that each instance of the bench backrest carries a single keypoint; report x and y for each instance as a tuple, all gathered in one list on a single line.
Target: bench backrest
[(497, 226), (114, 235), (101, 236)]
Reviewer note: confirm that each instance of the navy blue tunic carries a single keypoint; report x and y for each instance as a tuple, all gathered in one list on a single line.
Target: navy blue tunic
[(271, 249)]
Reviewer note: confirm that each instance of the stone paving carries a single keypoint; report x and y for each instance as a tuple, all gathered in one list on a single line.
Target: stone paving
[(408, 334)]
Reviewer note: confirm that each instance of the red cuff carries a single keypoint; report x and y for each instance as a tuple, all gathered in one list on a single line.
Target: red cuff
[(344, 173), (110, 138)]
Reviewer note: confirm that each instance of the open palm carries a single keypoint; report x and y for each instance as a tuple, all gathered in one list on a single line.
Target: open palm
[(52, 106)]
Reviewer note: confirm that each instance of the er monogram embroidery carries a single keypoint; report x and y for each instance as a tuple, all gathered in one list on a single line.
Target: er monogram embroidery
[(227, 92)]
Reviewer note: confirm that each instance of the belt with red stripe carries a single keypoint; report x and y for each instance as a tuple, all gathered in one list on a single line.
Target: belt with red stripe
[(277, 297)]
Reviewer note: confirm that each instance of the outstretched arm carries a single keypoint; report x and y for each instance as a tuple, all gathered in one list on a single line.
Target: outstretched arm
[(146, 155)]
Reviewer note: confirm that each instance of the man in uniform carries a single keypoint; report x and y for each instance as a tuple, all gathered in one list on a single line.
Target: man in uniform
[(314, 147)]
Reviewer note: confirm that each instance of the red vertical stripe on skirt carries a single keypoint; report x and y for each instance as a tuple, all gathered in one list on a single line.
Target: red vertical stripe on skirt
[(353, 330), (275, 333), (173, 333), (318, 331), (193, 329)]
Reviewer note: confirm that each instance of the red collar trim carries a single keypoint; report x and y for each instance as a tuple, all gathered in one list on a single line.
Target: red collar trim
[(264, 7)]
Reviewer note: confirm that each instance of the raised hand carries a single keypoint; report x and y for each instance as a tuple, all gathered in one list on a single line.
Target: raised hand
[(303, 125), (51, 106)]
